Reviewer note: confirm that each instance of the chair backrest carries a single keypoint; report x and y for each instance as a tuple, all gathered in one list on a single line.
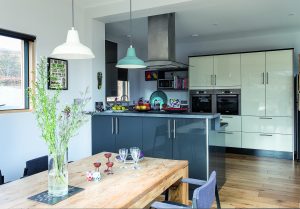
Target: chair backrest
[(36, 165), (1, 178), (204, 196)]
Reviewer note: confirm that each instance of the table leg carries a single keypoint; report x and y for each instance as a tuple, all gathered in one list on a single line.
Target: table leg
[(179, 192)]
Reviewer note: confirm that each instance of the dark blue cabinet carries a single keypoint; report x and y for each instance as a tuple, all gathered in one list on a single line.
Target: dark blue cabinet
[(103, 138), (157, 141), (128, 132), (111, 133), (189, 143)]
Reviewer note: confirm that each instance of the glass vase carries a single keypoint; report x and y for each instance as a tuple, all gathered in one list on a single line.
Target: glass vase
[(58, 173)]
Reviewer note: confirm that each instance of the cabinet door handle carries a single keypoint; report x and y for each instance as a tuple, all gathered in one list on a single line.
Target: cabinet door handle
[(265, 134), (174, 130), (265, 118), (215, 80), (227, 117), (224, 132), (211, 80), (112, 126), (169, 129), (267, 78), (117, 125), (263, 78)]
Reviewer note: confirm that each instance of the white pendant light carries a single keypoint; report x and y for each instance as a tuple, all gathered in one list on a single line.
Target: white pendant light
[(72, 48), (131, 61)]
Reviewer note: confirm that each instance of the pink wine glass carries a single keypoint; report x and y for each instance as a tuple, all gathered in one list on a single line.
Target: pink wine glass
[(109, 168), (97, 166), (107, 155)]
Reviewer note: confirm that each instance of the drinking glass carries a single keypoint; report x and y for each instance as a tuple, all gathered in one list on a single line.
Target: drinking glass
[(107, 155), (109, 167), (135, 154), (97, 166), (123, 153)]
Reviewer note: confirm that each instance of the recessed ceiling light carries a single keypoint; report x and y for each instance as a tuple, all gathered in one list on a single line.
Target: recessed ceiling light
[(291, 14), (195, 35)]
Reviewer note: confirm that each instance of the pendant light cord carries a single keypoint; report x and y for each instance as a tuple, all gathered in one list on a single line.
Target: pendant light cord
[(130, 23), (73, 14)]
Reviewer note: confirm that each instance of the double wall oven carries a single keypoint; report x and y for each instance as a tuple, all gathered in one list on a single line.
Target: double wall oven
[(223, 101)]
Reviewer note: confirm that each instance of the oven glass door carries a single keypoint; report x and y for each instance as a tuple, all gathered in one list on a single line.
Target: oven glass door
[(202, 103), (228, 104)]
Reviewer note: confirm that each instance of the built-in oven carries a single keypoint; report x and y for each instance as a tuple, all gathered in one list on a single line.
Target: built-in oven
[(202, 101), (228, 101)]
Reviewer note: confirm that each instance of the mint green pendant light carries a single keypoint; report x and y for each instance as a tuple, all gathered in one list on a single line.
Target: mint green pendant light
[(131, 61)]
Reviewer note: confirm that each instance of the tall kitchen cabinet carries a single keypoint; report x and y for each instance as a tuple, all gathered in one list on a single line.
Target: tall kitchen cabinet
[(267, 100), (220, 71)]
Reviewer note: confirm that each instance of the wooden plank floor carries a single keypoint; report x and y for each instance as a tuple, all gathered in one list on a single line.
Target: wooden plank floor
[(256, 182)]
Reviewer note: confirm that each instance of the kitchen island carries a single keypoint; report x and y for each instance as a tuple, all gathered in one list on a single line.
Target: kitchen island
[(180, 136)]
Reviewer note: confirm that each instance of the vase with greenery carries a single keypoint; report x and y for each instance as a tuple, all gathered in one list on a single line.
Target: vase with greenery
[(57, 127)]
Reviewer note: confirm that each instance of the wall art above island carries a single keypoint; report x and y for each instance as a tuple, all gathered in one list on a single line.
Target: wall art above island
[(57, 74)]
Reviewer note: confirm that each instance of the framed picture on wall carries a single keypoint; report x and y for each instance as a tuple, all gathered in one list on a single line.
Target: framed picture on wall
[(57, 74), (151, 75)]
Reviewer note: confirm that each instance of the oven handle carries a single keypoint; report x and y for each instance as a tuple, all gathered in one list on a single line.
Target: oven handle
[(226, 116), (201, 95), (227, 95)]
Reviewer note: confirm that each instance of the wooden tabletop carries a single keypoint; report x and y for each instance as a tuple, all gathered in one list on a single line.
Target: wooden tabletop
[(126, 188)]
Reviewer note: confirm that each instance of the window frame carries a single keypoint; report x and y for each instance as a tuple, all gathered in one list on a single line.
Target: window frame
[(29, 63)]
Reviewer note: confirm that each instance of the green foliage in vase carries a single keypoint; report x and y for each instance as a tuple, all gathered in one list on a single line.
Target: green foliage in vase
[(57, 127)]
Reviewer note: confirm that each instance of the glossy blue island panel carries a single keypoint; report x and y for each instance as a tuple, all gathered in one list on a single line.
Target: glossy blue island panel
[(172, 136)]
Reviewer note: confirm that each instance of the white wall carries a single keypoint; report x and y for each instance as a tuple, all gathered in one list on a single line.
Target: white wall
[(49, 20), (241, 44), (280, 40)]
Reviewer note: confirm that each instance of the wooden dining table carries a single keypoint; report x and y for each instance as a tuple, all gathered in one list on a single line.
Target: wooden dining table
[(126, 188)]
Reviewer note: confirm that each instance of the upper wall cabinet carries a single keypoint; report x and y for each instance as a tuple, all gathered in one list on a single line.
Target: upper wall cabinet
[(267, 83), (253, 83), (222, 71), (279, 83), (201, 72), (227, 70)]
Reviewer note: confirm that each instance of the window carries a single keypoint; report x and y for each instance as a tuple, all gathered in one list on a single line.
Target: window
[(123, 92), (14, 70)]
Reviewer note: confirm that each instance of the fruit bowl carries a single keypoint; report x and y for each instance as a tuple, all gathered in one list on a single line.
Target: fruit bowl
[(142, 107), (118, 108), (118, 111)]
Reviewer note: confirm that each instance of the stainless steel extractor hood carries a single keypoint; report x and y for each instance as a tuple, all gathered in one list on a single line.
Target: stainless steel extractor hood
[(161, 42)]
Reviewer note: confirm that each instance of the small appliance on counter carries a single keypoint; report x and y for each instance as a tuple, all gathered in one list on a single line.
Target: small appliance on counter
[(99, 106)]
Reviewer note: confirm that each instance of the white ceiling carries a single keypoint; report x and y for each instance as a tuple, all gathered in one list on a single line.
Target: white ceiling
[(215, 19)]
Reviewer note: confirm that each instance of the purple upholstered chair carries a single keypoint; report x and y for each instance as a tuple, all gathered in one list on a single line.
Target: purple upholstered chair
[(203, 196)]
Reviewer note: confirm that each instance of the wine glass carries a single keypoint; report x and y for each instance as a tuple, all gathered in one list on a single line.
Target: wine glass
[(97, 166), (107, 155), (135, 154), (109, 168), (123, 153)]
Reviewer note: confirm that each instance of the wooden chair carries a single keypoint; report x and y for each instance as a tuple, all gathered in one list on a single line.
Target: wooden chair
[(203, 196), (36, 165)]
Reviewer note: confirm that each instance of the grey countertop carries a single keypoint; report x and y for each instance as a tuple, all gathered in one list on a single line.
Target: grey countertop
[(159, 114)]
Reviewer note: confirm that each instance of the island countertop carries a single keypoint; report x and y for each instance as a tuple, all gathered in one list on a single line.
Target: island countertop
[(160, 114)]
